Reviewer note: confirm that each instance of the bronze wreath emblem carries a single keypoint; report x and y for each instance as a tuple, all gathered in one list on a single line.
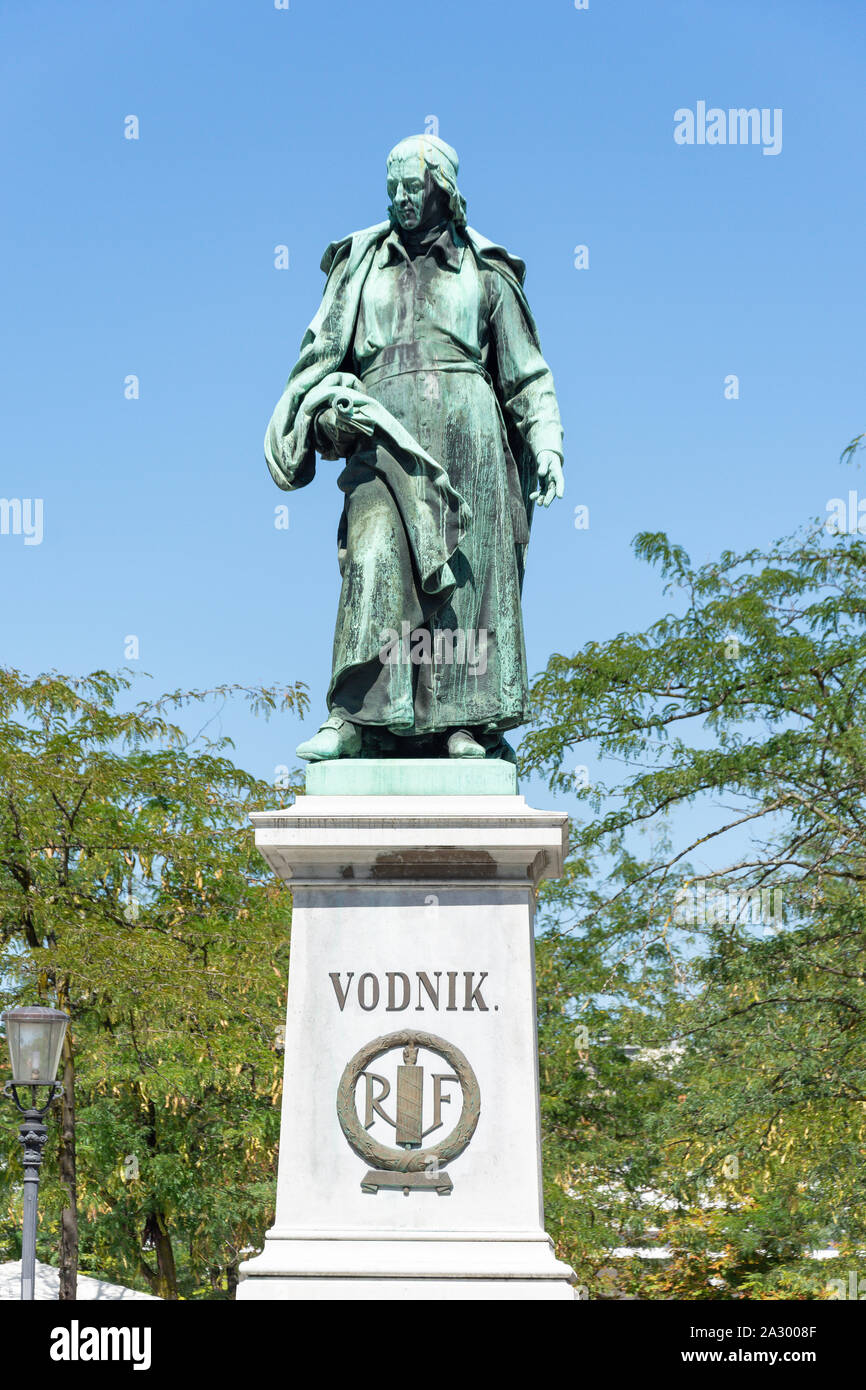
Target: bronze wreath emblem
[(412, 1160)]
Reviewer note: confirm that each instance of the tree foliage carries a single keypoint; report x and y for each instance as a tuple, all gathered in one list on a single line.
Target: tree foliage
[(131, 895), (726, 1040)]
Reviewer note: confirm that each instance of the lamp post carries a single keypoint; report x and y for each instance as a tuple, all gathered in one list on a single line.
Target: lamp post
[(35, 1037)]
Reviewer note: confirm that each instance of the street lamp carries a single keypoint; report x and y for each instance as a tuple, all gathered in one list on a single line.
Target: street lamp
[(35, 1037)]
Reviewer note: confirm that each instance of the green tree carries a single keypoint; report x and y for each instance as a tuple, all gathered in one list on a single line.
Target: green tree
[(735, 724), (131, 895)]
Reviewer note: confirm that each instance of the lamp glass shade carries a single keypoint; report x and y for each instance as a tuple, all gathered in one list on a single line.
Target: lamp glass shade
[(35, 1037)]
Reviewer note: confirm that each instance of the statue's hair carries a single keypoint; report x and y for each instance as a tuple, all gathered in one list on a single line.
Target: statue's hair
[(439, 160), (456, 201)]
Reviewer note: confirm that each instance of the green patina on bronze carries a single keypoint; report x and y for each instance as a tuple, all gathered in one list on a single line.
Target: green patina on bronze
[(412, 777), (422, 370), (411, 1160)]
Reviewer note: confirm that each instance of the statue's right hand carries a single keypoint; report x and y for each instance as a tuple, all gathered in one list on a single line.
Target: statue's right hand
[(334, 437)]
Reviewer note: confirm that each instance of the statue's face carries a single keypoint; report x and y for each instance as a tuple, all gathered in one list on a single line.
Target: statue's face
[(407, 188), (412, 192)]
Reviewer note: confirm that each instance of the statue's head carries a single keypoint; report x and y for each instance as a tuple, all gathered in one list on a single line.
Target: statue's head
[(422, 183)]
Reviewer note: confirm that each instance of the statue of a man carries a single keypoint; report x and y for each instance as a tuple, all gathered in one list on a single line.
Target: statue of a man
[(423, 371)]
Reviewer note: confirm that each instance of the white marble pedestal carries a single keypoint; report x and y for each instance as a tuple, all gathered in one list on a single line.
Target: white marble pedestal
[(412, 914)]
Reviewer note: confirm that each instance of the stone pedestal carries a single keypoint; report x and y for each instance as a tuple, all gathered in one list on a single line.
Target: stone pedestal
[(410, 1151)]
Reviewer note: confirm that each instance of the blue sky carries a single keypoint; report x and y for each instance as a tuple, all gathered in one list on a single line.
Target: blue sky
[(261, 127)]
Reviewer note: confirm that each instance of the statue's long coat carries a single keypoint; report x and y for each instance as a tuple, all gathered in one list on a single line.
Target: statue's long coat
[(464, 374)]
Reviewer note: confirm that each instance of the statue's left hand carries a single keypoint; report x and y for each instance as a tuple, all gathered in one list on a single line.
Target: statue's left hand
[(550, 480)]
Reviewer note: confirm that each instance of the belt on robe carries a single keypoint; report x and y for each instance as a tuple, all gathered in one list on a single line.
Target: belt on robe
[(427, 357), (403, 359)]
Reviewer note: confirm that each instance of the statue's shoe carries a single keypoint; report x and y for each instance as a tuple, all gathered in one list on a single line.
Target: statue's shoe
[(461, 744), (502, 749), (337, 738)]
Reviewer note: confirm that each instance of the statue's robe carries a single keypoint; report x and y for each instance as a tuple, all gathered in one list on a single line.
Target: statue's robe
[(447, 344)]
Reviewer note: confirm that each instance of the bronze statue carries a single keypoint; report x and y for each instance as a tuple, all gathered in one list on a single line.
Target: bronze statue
[(423, 371)]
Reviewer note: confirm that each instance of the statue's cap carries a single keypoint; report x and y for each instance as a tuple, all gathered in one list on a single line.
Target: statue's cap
[(431, 150)]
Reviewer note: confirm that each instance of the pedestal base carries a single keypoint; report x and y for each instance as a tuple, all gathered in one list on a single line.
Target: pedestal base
[(343, 1267), (410, 1155)]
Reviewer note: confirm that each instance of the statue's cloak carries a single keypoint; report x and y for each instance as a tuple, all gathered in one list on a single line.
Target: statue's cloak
[(327, 347)]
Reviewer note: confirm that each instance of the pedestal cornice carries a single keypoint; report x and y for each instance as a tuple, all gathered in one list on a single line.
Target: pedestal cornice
[(412, 839)]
